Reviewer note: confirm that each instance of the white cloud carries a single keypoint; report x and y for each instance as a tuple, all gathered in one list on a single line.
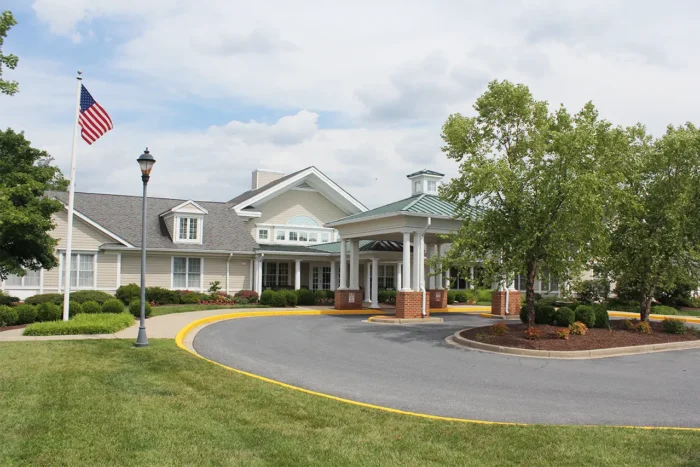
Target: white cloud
[(291, 129)]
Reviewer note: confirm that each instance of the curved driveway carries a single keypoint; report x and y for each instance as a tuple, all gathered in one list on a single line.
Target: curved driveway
[(412, 368)]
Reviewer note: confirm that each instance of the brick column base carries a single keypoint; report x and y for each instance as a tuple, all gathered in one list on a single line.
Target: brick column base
[(408, 305), (498, 303), (348, 300), (438, 298)]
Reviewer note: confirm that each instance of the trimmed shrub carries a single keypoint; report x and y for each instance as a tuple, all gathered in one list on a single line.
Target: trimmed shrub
[(91, 307), (127, 293), (305, 297), (499, 329), (483, 295), (532, 334), (673, 326), (544, 314), (135, 308), (266, 297), (290, 297), (82, 324), (563, 334), (26, 314), (644, 327), (188, 298), (321, 294), (451, 297), (547, 301), (565, 316), (384, 296), (663, 310), (7, 299), (8, 316), (631, 324), (586, 315), (48, 312), (574, 305), (602, 319), (250, 295), (279, 298), (461, 297), (578, 329), (82, 296), (161, 296), (74, 308), (113, 306), (56, 298)]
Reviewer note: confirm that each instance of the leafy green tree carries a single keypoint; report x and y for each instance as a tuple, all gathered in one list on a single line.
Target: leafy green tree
[(25, 213), (655, 232), (10, 61), (536, 181)]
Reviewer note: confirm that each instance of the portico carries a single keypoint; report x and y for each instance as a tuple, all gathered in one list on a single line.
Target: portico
[(417, 223)]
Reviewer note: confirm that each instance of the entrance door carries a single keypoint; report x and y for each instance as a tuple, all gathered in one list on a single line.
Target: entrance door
[(320, 278)]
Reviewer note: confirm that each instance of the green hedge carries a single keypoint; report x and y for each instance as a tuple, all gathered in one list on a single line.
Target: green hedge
[(56, 298), (91, 307), (82, 296), (586, 315), (26, 314), (7, 299), (673, 326), (602, 319), (74, 308), (127, 293), (461, 297), (48, 312), (8, 316), (290, 297), (564, 316), (305, 297), (451, 296), (663, 310), (483, 295), (103, 323), (113, 306), (135, 308)]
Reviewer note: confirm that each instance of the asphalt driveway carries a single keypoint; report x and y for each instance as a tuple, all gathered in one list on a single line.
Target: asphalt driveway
[(412, 368)]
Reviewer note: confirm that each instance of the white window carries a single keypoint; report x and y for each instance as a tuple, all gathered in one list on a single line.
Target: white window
[(262, 234), (280, 235), (325, 238), (187, 273), (275, 275), (313, 237), (189, 229), (386, 276), (417, 187), (30, 279), (293, 236), (82, 270), (302, 237), (432, 186)]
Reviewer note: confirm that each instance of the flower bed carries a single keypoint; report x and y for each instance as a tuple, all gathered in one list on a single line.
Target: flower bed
[(596, 338)]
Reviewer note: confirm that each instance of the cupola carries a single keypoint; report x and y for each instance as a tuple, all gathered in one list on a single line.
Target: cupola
[(424, 182)]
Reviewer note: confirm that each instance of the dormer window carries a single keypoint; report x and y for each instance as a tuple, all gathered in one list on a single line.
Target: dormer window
[(417, 187), (189, 229), (432, 187)]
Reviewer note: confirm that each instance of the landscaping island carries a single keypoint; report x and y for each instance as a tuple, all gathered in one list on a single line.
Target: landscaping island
[(620, 334)]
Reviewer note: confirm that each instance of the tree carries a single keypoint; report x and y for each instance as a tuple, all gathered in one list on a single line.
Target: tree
[(10, 61), (655, 233), (25, 213), (531, 186)]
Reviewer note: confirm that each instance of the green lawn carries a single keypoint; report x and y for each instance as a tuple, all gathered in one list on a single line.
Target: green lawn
[(107, 403), (167, 309)]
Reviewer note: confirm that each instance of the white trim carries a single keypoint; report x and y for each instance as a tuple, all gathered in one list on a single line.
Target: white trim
[(94, 269), (201, 274), (294, 180), (119, 270), (189, 217), (62, 254), (94, 224), (248, 213), (41, 281), (187, 272), (182, 205), (252, 273), (390, 214)]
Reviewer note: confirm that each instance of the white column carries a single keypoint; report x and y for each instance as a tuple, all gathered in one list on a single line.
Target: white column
[(311, 276), (399, 266), (375, 283), (417, 263), (333, 275), (354, 264), (447, 278), (297, 274), (368, 297), (406, 262), (258, 275), (438, 278), (343, 265), (432, 253)]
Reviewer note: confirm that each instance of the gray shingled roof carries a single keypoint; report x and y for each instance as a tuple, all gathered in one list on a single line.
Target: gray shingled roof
[(250, 193), (120, 214)]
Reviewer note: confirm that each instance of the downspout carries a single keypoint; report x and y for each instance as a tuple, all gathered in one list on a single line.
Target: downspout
[(228, 282), (507, 287), (259, 273), (421, 272)]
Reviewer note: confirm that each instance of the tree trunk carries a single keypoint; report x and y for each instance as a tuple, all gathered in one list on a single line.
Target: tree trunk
[(530, 293), (645, 307)]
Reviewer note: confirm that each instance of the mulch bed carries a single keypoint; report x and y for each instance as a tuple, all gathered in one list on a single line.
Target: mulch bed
[(7, 328), (595, 338)]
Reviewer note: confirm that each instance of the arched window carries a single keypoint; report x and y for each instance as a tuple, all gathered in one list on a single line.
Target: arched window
[(302, 220)]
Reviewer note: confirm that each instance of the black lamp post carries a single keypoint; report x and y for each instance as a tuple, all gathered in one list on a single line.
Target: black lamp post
[(146, 162)]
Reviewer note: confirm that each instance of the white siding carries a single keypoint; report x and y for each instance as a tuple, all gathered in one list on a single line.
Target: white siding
[(85, 236), (297, 203)]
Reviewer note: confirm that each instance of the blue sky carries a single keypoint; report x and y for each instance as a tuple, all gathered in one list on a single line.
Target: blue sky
[(217, 88)]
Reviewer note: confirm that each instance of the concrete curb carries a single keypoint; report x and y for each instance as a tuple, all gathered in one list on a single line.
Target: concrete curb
[(625, 314), (390, 320), (458, 341)]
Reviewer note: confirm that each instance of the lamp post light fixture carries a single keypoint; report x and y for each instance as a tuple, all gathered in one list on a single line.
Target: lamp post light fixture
[(146, 162)]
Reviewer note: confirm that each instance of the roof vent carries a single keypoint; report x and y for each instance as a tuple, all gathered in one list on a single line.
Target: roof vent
[(424, 182)]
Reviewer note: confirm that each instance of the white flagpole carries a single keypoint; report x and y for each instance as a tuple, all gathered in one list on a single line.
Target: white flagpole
[(71, 196)]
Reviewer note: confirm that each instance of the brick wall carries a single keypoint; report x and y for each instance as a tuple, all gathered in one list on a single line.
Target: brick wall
[(408, 304), (438, 298), (348, 300), (498, 303)]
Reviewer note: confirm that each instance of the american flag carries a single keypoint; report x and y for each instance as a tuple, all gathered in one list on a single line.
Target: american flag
[(94, 120)]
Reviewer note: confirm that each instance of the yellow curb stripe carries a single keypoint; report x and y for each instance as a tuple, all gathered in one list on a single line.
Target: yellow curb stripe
[(624, 314), (180, 338)]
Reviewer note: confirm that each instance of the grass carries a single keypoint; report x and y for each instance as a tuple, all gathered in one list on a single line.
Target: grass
[(167, 309), (107, 403), (102, 323)]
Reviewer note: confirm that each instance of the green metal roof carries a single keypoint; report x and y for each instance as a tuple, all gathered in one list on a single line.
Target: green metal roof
[(430, 205), (425, 172), (365, 245)]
